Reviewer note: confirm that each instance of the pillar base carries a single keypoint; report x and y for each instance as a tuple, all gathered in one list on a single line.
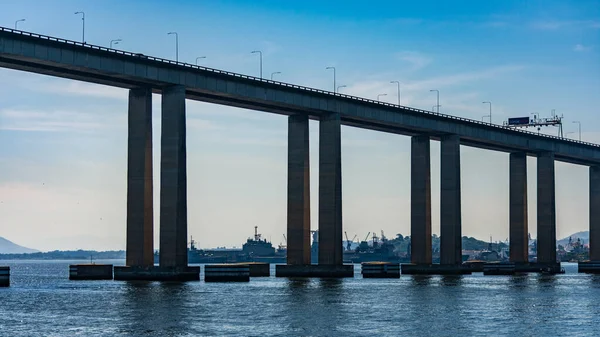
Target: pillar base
[(90, 272), (589, 267), (435, 269), (380, 270), (4, 277), (544, 268), (227, 272), (315, 270), (259, 269), (155, 273), (499, 269)]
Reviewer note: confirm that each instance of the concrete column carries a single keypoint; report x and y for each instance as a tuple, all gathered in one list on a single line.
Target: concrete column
[(546, 209), (595, 213), (330, 190), (420, 200), (140, 241), (298, 207), (450, 213), (173, 179), (518, 228)]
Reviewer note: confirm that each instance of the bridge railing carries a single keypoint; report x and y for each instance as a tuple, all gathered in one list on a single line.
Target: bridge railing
[(298, 87)]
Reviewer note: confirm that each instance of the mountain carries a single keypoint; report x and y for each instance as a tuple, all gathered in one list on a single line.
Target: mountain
[(584, 236), (8, 247)]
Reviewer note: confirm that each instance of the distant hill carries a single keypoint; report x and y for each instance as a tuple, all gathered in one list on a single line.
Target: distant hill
[(8, 247), (584, 236)]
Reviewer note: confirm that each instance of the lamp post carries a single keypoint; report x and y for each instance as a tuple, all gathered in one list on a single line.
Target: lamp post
[(114, 42), (398, 83), (16, 22), (579, 128), (260, 54), (380, 96), (438, 99), (199, 57), (340, 86), (334, 88), (490, 115), (176, 45), (83, 25), (274, 73)]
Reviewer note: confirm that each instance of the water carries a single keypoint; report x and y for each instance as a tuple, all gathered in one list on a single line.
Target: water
[(43, 302)]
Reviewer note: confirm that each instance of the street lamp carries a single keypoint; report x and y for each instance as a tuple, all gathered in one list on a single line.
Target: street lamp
[(333, 77), (273, 73), (114, 42), (83, 24), (260, 54), (579, 128), (16, 22), (176, 45), (438, 99), (490, 115), (340, 86), (199, 57), (397, 82), (380, 96)]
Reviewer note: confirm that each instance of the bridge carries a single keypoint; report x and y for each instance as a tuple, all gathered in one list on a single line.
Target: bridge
[(177, 81)]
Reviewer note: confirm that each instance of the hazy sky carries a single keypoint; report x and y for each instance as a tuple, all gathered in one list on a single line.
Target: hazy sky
[(63, 144)]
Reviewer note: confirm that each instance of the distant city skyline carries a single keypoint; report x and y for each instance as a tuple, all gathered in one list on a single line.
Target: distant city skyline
[(63, 153)]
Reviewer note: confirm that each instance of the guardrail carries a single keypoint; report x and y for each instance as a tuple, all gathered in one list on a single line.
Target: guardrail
[(325, 92)]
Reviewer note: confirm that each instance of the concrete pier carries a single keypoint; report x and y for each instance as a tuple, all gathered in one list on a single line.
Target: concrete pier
[(298, 189), (420, 200), (589, 267), (91, 272), (450, 202), (595, 214), (435, 269), (173, 180), (237, 272), (157, 273), (259, 269), (518, 226), (499, 269), (380, 270), (4, 277), (546, 209), (140, 239), (330, 191), (315, 270)]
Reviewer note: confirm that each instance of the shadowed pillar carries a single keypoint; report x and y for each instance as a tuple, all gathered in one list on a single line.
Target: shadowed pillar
[(330, 190), (519, 240), (298, 208), (594, 213), (450, 213), (173, 179), (420, 200), (140, 244), (546, 209)]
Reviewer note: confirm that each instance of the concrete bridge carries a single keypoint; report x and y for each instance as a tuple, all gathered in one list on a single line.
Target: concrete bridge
[(176, 82)]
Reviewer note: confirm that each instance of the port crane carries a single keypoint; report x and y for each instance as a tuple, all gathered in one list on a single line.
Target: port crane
[(348, 241)]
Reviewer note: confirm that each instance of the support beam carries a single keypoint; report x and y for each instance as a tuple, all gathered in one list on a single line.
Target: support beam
[(546, 209), (518, 228), (173, 179), (298, 207), (330, 190), (450, 213), (420, 200), (595, 213), (140, 218)]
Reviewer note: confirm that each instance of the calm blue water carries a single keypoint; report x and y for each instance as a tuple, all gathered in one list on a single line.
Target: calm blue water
[(43, 302)]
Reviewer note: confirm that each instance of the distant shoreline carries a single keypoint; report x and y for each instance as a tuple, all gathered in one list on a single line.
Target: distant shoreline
[(67, 255)]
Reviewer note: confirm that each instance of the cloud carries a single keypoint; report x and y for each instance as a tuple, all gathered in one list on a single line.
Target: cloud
[(56, 121), (75, 88), (581, 48), (415, 59), (563, 24)]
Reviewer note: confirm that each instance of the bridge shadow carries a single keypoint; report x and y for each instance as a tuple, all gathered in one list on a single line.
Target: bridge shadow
[(421, 280)]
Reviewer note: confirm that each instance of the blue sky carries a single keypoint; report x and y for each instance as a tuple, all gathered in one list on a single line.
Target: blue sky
[(63, 153)]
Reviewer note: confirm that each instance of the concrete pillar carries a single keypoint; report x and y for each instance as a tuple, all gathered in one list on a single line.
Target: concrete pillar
[(546, 209), (595, 213), (173, 179), (518, 228), (450, 213), (420, 200), (140, 239), (298, 207), (330, 190)]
